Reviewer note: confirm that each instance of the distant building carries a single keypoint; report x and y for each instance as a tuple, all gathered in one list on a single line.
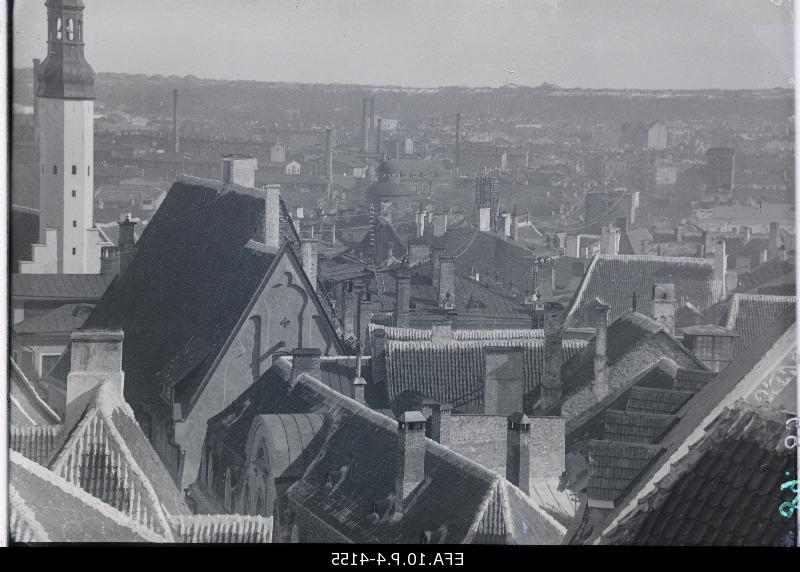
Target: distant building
[(658, 137), (720, 165)]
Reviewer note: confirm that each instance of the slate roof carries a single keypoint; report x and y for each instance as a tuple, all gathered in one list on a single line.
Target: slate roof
[(454, 496), (62, 320), (453, 373), (769, 274), (725, 492), (67, 287), (195, 273), (614, 279)]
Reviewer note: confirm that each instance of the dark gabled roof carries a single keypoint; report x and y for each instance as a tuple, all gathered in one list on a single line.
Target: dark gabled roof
[(692, 380), (749, 316), (769, 274), (725, 492), (614, 465), (67, 287), (614, 279), (195, 273), (62, 320), (656, 400)]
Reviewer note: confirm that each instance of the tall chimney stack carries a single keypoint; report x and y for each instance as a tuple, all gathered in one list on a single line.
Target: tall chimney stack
[(440, 423), (458, 141), (272, 220), (447, 281), (721, 265), (410, 460), (176, 138), (328, 165), (378, 136), (601, 385), (403, 298), (371, 117), (125, 242), (364, 127), (518, 455), (552, 387), (96, 358), (665, 306)]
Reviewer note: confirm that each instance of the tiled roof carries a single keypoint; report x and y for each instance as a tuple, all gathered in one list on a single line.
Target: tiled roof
[(75, 287), (453, 373), (108, 456), (636, 427), (655, 400), (420, 335), (62, 320), (47, 508), (614, 279), (614, 465), (750, 315), (455, 494), (725, 492), (194, 274), (771, 273), (692, 380)]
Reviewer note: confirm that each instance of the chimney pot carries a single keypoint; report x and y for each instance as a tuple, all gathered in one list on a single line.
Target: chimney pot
[(518, 456), (410, 454), (305, 360), (440, 423), (665, 306)]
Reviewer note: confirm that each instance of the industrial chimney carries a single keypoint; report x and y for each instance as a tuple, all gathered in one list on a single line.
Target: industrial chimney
[(364, 127), (458, 141), (175, 132)]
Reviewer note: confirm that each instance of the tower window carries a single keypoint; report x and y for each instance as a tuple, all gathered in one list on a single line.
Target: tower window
[(74, 169), (74, 252), (55, 169), (74, 194), (58, 29), (74, 224), (70, 29)]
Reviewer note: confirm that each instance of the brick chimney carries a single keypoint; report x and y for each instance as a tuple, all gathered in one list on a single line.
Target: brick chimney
[(305, 360), (664, 306), (96, 358), (679, 233), (176, 137), (309, 250), (503, 379), (772, 245), (410, 460), (720, 265), (552, 386), (441, 423), (125, 242), (437, 252), (366, 308), (601, 384), (485, 219), (441, 332), (518, 455), (447, 282), (439, 224), (418, 251), (401, 312), (609, 240), (239, 170), (378, 361), (272, 216), (359, 383)]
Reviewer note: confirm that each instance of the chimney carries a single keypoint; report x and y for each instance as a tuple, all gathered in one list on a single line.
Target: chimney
[(419, 223), (96, 358), (772, 247), (378, 137), (410, 454), (401, 312), (609, 241), (238, 169), (547, 448), (441, 332), (518, 455), (437, 252), (176, 137), (503, 379), (573, 242), (447, 281), (309, 251), (633, 302), (601, 385), (378, 361), (371, 117), (507, 222), (708, 243), (418, 251), (440, 423), (664, 306), (458, 141), (366, 307), (305, 360), (439, 224), (397, 153), (485, 219), (328, 164), (747, 233), (272, 219), (553, 355), (359, 383), (720, 265), (125, 242), (364, 127), (544, 278)]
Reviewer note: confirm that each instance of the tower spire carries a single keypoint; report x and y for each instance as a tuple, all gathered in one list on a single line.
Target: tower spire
[(65, 73)]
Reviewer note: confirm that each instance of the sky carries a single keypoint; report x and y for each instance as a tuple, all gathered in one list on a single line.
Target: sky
[(644, 44)]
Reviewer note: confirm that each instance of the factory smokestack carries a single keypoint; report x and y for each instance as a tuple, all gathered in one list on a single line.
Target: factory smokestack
[(458, 140), (328, 164), (364, 128), (175, 133), (378, 137), (371, 117)]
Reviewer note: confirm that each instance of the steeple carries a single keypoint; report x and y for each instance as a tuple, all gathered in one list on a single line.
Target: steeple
[(65, 73)]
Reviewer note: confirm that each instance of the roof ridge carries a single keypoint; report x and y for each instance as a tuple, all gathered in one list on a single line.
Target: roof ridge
[(689, 260)]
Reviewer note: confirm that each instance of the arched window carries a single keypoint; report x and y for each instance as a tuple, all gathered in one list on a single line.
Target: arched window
[(70, 29), (58, 29), (80, 30)]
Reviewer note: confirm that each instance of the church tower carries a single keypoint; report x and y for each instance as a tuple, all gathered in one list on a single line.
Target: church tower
[(64, 86)]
